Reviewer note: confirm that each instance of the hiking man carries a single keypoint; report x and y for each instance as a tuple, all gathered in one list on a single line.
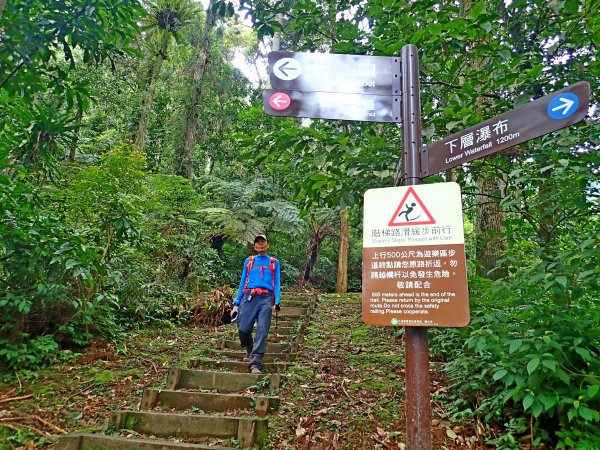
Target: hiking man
[(259, 290)]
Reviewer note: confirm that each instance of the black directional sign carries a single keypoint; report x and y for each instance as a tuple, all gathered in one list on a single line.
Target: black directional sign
[(352, 74), (332, 105), (542, 116)]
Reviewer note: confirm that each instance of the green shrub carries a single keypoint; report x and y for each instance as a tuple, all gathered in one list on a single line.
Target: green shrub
[(535, 362), (28, 354)]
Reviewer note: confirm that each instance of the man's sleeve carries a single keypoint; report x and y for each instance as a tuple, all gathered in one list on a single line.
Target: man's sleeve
[(277, 283), (240, 294)]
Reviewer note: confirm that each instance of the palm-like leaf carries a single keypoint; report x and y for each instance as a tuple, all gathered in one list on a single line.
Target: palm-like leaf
[(240, 226), (248, 209)]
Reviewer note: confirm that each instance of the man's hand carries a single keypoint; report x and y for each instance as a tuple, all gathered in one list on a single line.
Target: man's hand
[(277, 307), (234, 313)]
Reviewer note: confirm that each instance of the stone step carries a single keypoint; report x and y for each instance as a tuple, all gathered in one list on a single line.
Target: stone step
[(221, 381), (279, 337), (81, 441), (247, 430), (268, 357), (304, 300), (283, 329), (278, 333), (296, 295), (285, 323), (238, 366), (281, 324), (234, 344), (292, 311), (285, 326), (207, 401)]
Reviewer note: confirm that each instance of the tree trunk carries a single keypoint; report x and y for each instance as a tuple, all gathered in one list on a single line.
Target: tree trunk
[(315, 245), (342, 275), (491, 240), (140, 136), (216, 243), (75, 140), (2, 5), (184, 164)]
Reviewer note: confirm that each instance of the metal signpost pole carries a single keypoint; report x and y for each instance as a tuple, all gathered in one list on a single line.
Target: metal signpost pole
[(418, 408)]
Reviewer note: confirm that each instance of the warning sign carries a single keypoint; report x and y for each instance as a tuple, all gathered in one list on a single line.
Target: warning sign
[(414, 275), (411, 211)]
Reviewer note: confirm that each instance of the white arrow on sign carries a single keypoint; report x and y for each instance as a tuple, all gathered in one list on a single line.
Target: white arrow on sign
[(287, 69), (279, 100), (566, 105)]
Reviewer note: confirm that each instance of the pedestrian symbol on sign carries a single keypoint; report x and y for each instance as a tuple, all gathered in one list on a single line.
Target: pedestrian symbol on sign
[(411, 211)]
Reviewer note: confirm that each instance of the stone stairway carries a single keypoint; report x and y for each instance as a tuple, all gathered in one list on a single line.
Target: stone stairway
[(215, 399)]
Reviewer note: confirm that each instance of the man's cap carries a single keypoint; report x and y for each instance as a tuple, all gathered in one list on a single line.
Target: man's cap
[(260, 236)]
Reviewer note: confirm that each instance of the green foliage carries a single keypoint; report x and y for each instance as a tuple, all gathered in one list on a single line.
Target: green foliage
[(43, 261), (30, 354), (35, 136), (107, 195), (331, 165), (36, 32), (536, 360), (244, 209)]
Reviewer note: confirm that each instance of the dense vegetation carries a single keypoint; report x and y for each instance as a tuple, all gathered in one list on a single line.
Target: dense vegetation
[(136, 164)]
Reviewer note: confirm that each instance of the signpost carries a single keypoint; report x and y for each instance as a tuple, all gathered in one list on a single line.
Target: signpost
[(414, 270), (340, 87), (350, 74), (414, 265), (332, 105), (542, 116)]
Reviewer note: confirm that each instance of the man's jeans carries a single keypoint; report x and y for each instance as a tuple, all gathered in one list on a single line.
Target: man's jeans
[(256, 308)]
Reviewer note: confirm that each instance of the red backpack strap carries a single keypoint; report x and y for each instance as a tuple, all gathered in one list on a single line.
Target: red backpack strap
[(248, 269), (272, 267)]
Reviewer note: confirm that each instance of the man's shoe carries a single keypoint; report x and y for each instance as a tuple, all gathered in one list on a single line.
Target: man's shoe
[(248, 351), (255, 370)]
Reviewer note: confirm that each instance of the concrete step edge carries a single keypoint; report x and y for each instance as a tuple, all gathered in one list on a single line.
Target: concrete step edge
[(247, 430), (239, 366), (207, 401), (237, 355), (81, 441), (183, 378)]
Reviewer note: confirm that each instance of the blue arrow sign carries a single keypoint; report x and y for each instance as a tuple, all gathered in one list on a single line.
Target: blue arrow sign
[(562, 106)]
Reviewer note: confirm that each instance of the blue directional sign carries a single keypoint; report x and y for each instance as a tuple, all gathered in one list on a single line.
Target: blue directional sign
[(563, 106)]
